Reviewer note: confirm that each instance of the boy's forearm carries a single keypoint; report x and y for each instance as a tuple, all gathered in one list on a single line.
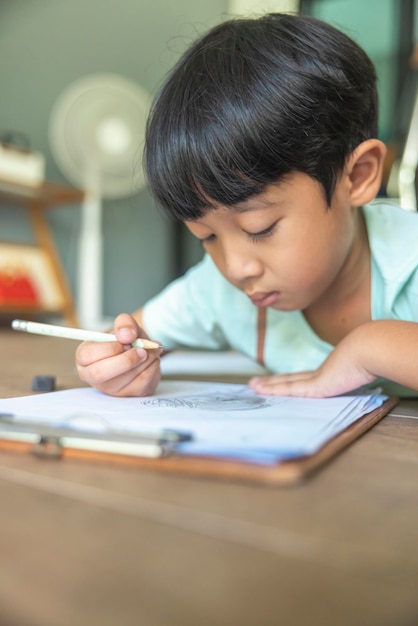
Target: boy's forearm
[(389, 349)]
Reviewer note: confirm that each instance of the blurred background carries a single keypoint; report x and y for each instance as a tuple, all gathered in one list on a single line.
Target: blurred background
[(72, 76)]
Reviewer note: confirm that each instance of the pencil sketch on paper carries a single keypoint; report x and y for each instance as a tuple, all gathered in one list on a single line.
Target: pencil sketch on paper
[(216, 401)]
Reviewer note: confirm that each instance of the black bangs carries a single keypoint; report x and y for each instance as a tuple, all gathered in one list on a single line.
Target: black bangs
[(203, 146)]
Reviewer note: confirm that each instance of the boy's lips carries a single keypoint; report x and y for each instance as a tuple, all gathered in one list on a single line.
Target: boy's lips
[(263, 299)]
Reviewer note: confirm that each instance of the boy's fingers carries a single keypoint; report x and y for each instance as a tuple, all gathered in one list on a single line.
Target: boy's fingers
[(136, 382), (300, 384), (100, 371), (127, 330), (258, 381), (115, 367), (89, 352), (295, 388)]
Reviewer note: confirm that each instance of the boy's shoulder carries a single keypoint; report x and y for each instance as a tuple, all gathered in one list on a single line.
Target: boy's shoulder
[(393, 237), (383, 211)]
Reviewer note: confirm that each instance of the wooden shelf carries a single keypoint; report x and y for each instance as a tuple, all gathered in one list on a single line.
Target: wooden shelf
[(35, 200)]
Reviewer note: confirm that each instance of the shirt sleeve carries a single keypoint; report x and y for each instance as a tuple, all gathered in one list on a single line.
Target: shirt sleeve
[(184, 314)]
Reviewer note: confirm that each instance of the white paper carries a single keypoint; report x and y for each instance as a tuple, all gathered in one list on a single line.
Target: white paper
[(224, 419), (186, 363)]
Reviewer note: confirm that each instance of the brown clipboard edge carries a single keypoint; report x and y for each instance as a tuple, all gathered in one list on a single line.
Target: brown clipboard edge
[(280, 474)]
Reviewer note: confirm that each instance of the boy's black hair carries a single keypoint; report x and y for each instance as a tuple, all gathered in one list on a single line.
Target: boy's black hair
[(251, 101)]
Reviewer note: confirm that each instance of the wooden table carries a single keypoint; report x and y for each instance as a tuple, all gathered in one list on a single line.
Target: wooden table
[(87, 545)]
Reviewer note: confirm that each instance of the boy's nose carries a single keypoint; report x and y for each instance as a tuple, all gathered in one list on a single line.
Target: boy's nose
[(240, 265)]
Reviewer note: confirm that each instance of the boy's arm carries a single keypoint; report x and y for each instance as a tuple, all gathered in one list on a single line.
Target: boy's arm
[(379, 349), (116, 368)]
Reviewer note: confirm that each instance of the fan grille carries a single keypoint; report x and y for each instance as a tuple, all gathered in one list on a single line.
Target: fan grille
[(97, 132)]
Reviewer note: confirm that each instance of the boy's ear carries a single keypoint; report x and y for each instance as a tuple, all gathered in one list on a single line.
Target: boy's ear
[(364, 169)]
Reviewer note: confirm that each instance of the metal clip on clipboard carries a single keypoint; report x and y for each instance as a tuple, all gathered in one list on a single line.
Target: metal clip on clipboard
[(49, 440)]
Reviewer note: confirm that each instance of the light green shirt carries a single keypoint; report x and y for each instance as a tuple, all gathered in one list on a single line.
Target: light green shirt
[(203, 310)]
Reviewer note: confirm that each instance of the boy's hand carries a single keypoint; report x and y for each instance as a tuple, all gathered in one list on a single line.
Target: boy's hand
[(340, 373), (116, 368), (378, 349), (321, 383)]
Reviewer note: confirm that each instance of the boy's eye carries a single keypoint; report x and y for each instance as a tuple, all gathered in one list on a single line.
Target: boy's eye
[(207, 239), (262, 233)]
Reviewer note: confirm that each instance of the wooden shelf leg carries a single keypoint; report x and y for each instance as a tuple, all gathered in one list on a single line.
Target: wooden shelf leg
[(46, 243)]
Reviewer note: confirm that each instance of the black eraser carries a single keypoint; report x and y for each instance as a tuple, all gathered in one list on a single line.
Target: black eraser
[(43, 383)]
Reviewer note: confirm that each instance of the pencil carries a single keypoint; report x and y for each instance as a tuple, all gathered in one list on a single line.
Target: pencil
[(79, 334)]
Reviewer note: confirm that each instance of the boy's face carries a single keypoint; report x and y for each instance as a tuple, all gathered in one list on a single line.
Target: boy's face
[(284, 248)]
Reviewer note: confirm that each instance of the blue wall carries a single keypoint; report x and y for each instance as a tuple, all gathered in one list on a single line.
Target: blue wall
[(373, 24)]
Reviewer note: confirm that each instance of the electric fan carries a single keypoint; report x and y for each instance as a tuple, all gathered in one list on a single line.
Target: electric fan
[(96, 134)]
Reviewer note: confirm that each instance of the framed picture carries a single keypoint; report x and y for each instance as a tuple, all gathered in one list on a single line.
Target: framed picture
[(28, 279)]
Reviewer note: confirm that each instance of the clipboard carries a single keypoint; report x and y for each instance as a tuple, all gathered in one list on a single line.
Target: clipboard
[(58, 443)]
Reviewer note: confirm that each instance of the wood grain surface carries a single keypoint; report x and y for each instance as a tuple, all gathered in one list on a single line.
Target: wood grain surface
[(87, 544)]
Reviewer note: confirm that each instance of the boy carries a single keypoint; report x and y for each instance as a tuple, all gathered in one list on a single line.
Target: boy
[(263, 142)]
